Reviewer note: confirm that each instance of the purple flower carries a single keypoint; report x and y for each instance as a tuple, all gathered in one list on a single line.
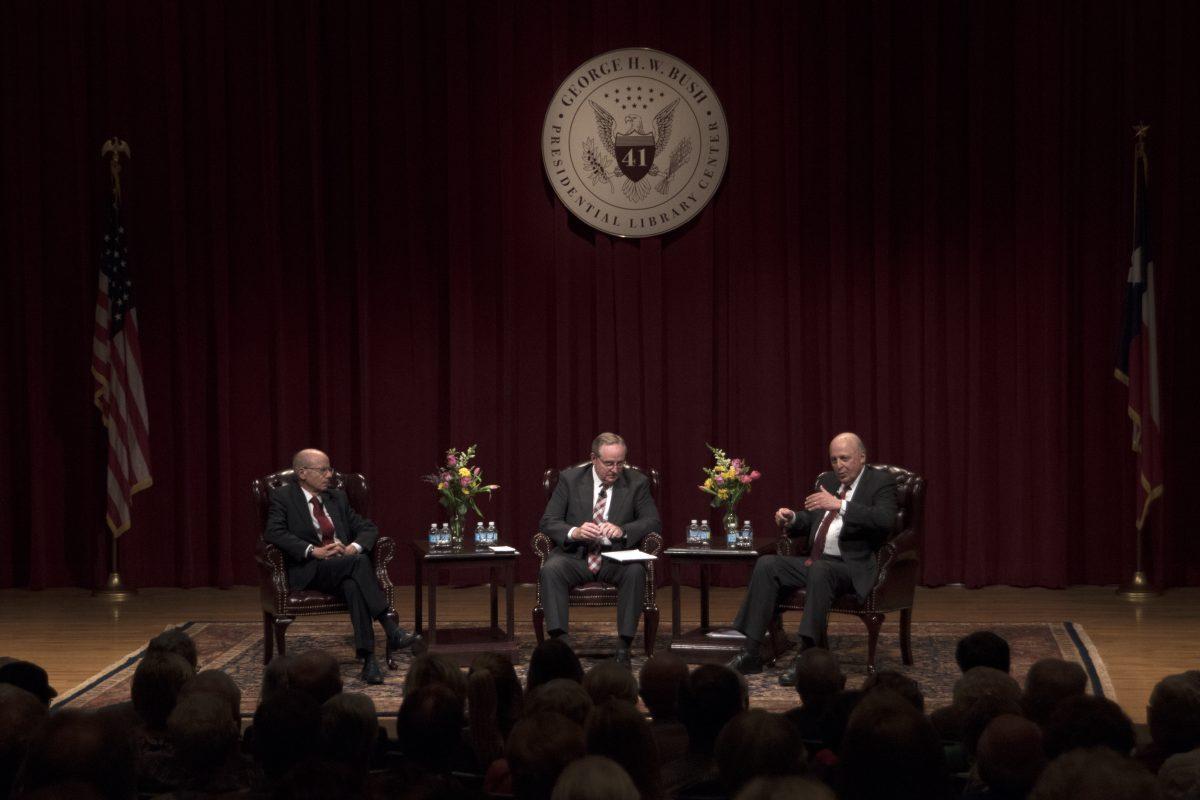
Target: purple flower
[(451, 460)]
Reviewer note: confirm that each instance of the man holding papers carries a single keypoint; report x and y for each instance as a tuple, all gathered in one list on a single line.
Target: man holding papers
[(598, 507)]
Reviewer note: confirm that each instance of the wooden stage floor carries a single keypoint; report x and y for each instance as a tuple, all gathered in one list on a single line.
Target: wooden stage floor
[(74, 635)]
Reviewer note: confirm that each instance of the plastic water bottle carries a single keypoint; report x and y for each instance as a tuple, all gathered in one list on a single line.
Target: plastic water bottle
[(493, 536), (746, 536), (480, 536), (731, 536), (434, 541), (693, 532), (444, 536), (705, 533)]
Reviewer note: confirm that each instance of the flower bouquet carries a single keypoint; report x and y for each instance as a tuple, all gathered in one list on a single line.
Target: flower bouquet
[(458, 484), (727, 480)]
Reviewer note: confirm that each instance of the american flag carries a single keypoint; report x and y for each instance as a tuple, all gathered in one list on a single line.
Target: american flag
[(1137, 357), (117, 367)]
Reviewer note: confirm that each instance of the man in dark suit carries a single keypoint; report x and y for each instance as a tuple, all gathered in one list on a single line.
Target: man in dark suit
[(845, 521), (326, 545), (597, 507)]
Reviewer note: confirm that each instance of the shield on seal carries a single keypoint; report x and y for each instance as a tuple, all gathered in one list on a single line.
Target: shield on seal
[(635, 152)]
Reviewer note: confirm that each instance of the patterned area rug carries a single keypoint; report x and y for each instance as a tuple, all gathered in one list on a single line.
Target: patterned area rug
[(236, 648)]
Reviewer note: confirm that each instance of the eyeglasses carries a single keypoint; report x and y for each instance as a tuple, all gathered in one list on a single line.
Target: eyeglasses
[(322, 470), (609, 464)]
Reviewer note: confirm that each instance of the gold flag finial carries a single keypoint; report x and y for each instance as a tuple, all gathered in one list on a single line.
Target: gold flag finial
[(114, 148)]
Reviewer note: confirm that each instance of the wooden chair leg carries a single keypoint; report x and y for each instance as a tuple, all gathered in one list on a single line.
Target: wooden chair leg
[(906, 636), (268, 637), (650, 629), (395, 618), (873, 622), (539, 623), (281, 626), (777, 642)]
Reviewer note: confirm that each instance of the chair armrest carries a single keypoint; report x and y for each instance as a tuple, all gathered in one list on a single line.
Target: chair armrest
[(272, 577), (381, 556), (651, 543), (542, 545)]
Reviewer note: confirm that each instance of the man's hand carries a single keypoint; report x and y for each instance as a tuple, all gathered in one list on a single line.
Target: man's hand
[(785, 517), (822, 500), (611, 531), (331, 550), (589, 532)]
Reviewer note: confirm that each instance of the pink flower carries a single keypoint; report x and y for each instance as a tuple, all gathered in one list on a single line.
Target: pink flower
[(719, 479), (755, 475), (451, 460), (465, 480), (744, 478), (477, 470), (446, 477), (736, 463)]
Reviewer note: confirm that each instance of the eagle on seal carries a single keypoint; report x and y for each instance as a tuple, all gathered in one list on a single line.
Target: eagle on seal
[(628, 149)]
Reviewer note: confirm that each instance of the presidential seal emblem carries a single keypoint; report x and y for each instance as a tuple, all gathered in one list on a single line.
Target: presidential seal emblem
[(635, 142)]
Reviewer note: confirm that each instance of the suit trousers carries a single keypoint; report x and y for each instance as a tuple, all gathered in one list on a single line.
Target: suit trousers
[(563, 570), (353, 578), (774, 576)]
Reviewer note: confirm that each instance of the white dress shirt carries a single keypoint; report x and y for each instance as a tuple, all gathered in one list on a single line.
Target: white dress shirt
[(835, 527), (608, 498), (312, 515)]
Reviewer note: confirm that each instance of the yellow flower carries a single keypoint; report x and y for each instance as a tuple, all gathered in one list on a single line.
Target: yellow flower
[(731, 473), (441, 486), (708, 484), (723, 494), (463, 472), (466, 491)]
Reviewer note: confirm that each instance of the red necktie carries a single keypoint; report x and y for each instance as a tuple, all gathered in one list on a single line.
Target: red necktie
[(323, 521), (819, 544), (598, 518)]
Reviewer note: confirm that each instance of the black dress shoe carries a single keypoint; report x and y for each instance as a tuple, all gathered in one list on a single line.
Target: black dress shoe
[(788, 676), (371, 673), (622, 657), (401, 639), (746, 663)]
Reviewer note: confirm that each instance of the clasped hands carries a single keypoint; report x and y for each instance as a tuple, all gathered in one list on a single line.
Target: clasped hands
[(819, 500), (591, 531), (331, 550)]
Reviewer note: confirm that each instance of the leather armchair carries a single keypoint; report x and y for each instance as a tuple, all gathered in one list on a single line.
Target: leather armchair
[(598, 594), (280, 604), (898, 568)]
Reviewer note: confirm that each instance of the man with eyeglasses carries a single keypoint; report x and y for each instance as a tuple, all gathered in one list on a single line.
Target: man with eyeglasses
[(596, 507), (325, 545)]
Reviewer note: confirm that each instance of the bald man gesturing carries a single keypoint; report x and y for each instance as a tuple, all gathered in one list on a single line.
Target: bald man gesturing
[(845, 520), (325, 545)]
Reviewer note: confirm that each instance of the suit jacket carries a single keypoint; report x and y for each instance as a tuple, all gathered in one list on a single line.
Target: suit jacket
[(869, 519), (290, 528), (630, 506)]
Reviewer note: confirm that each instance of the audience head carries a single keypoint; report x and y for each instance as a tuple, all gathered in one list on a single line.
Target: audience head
[(552, 659), (890, 750), (976, 718), (980, 682), (324, 780), (561, 696), (757, 743), (316, 673), (30, 677), (1179, 777), (494, 701), (177, 641), (431, 668), (156, 684), (80, 748), (541, 745), (837, 717), (818, 678), (1050, 681), (276, 676), (287, 731), (709, 697), (202, 732), (595, 778), (20, 714), (616, 729), (982, 649), (1009, 755), (349, 731), (785, 787), (430, 725), (608, 680), (658, 684), (1088, 722), (1094, 774), (899, 683), (1173, 713), (214, 681)]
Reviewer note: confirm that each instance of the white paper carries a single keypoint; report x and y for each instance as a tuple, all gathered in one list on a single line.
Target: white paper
[(629, 555), (502, 548)]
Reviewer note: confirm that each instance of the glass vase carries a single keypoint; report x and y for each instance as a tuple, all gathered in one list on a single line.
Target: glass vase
[(458, 523)]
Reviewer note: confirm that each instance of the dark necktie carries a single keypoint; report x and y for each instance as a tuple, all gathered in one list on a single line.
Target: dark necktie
[(819, 544), (323, 521), (593, 559)]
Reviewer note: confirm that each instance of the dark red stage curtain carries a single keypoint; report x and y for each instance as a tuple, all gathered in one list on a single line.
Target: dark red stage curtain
[(341, 236)]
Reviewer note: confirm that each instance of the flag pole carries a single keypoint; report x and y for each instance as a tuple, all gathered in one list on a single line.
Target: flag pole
[(1139, 588), (115, 587)]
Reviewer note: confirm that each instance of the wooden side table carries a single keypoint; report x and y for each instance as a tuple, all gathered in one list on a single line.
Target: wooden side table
[(708, 644), (461, 644)]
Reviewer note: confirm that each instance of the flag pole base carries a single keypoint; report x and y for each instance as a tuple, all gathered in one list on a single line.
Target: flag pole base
[(114, 589), (1139, 588)]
